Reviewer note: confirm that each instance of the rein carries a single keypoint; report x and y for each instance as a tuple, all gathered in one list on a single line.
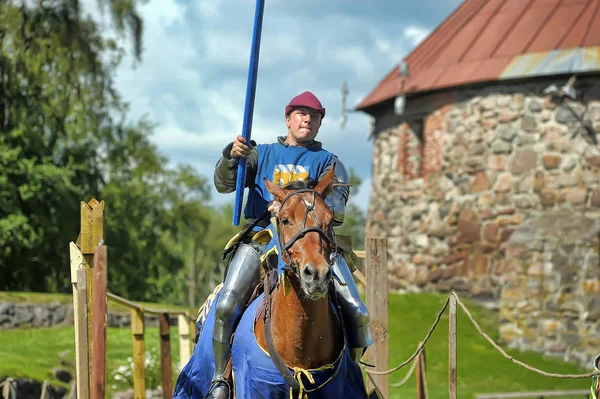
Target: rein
[(310, 209), (281, 367)]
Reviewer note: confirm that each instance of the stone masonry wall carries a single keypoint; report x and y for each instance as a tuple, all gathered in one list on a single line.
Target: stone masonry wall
[(491, 160), (550, 301), (487, 159), (17, 315)]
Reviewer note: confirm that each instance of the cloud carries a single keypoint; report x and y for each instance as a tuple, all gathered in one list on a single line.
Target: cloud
[(415, 34), (192, 80)]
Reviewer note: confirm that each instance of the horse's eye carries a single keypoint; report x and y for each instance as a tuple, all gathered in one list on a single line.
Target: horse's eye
[(285, 222)]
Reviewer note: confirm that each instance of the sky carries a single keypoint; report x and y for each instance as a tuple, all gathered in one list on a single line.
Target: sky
[(192, 79)]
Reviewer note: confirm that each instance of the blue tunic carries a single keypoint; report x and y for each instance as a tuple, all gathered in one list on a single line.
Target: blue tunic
[(255, 375), (282, 165)]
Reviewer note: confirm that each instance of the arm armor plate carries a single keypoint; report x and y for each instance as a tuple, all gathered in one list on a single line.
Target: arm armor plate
[(336, 200), (225, 175)]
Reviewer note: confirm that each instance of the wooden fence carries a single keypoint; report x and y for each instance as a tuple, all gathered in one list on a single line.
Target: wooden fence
[(89, 264), (376, 283)]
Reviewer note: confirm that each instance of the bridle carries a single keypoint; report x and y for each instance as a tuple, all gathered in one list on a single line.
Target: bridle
[(329, 237)]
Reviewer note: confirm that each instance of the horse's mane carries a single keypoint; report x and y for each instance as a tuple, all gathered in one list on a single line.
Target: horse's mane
[(300, 184)]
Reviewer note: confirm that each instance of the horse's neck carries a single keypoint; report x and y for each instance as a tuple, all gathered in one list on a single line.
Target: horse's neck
[(305, 333)]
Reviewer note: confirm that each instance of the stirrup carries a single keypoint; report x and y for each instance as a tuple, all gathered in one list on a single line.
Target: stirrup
[(217, 383)]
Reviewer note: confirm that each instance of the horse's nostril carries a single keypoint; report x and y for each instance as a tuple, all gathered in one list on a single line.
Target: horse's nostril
[(308, 271)]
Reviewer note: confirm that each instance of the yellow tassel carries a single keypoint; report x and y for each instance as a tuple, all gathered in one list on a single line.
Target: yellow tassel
[(299, 372), (287, 286)]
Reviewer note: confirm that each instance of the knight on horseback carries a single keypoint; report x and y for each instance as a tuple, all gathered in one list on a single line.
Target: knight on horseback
[(297, 156)]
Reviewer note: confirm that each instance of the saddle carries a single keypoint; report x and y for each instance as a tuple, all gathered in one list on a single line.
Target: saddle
[(269, 276)]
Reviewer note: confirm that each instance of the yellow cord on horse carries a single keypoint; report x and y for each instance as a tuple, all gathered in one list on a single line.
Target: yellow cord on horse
[(299, 372)]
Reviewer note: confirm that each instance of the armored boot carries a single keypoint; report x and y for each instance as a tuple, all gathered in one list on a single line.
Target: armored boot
[(354, 311), (242, 278)]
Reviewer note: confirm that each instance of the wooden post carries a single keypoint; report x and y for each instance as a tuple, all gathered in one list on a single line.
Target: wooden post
[(78, 281), (185, 344), (192, 331), (377, 303), (44, 394), (165, 356), (9, 388), (99, 325), (90, 236), (452, 347), (139, 374), (421, 387)]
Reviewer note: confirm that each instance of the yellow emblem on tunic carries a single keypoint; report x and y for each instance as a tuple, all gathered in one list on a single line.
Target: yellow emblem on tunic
[(285, 174)]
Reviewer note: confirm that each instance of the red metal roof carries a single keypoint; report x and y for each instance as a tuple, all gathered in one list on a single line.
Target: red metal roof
[(486, 40)]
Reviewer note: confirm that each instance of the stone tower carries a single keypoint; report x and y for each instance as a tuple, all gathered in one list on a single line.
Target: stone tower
[(486, 174)]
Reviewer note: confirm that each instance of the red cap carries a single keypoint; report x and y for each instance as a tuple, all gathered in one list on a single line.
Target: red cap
[(308, 100)]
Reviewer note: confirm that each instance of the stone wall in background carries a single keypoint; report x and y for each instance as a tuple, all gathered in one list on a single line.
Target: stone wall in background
[(549, 301), (15, 315), (462, 171)]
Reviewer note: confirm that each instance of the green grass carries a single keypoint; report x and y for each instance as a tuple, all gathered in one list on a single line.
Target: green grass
[(34, 352), (480, 367)]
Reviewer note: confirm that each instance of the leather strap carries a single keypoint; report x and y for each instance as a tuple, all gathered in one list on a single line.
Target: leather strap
[(283, 369)]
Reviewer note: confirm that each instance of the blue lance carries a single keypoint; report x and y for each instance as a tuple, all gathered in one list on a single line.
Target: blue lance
[(248, 109)]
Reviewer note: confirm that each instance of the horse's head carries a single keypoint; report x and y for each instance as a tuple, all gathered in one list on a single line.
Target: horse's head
[(306, 232)]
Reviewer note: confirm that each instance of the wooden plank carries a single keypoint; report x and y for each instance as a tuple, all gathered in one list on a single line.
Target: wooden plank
[(9, 388), (139, 373), (90, 236), (92, 226), (377, 303), (361, 254), (452, 348), (534, 394), (78, 282), (165, 356), (185, 343), (45, 394), (146, 310), (421, 372), (192, 330), (123, 301), (361, 277), (99, 325)]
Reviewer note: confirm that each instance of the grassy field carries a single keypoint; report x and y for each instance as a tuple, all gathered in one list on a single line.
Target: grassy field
[(480, 367), (34, 352)]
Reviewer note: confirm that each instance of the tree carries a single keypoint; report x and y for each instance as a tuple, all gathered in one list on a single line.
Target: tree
[(57, 104), (63, 139)]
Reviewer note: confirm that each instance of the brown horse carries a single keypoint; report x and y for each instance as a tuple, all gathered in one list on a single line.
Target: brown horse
[(305, 332), (291, 338)]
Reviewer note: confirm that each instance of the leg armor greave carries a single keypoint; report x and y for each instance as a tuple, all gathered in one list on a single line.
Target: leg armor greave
[(355, 311), (242, 278)]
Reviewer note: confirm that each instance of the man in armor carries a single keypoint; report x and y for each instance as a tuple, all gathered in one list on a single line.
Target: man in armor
[(297, 156)]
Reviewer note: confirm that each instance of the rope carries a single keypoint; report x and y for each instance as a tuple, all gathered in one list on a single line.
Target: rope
[(407, 376), (520, 363), (419, 348), (486, 336)]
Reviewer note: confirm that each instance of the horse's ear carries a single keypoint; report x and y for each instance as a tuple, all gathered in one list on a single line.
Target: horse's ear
[(326, 183), (275, 189)]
